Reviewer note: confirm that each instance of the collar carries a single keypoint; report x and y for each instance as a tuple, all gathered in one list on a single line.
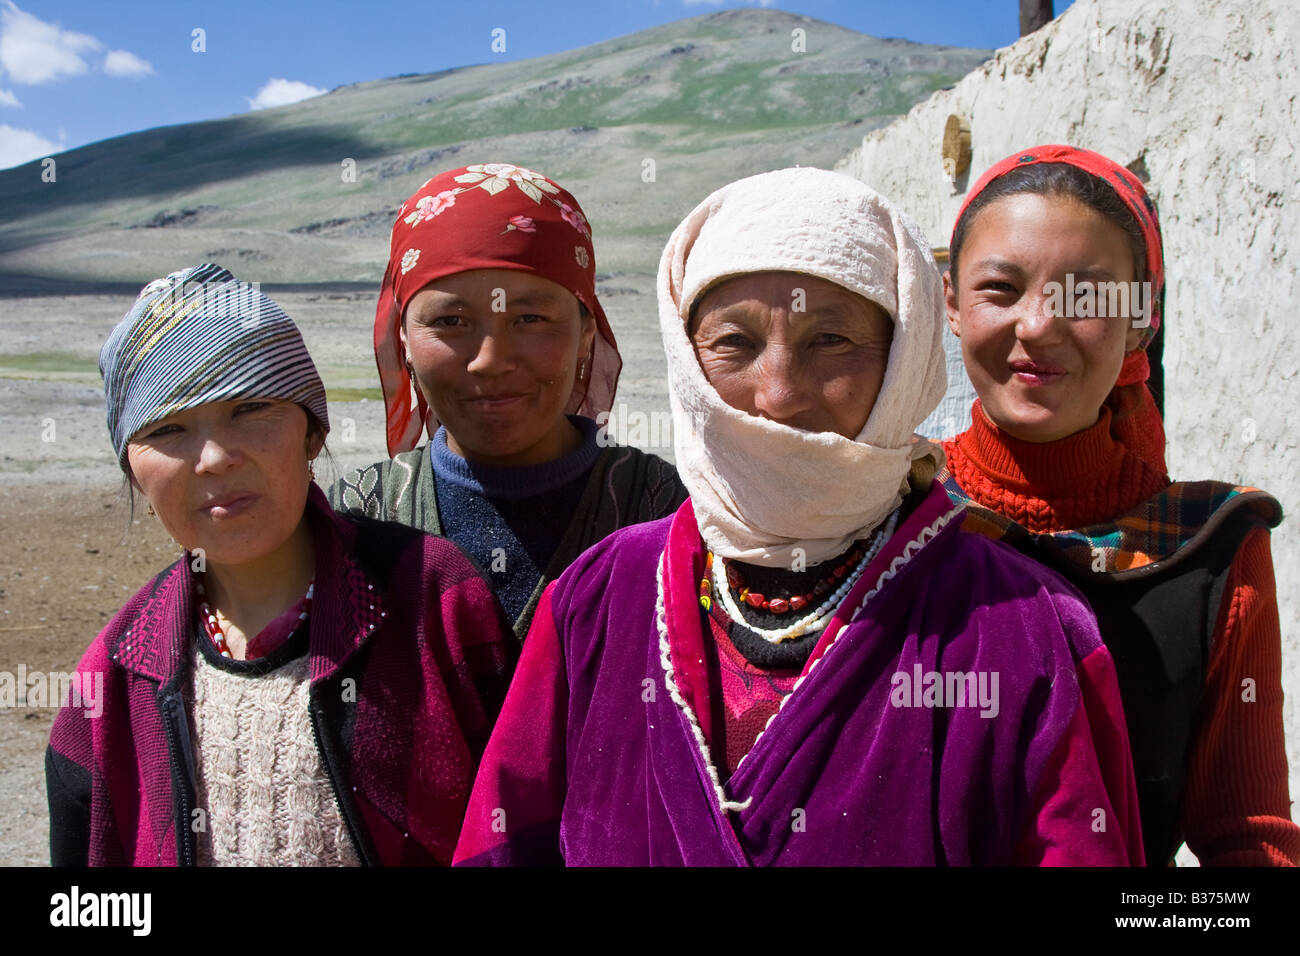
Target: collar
[(347, 607), (682, 567), (684, 628), (523, 481), (1021, 465)]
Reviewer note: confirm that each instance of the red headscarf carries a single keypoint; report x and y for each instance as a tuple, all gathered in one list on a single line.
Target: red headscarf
[(1135, 421), (487, 216)]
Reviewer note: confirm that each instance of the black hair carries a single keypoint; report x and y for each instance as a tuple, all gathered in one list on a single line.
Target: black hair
[(1054, 179)]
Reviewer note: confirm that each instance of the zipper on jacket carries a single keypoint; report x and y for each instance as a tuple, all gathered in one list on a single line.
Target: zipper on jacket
[(346, 808), (182, 771)]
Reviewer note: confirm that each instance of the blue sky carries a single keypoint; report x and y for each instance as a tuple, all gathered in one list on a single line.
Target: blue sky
[(76, 71)]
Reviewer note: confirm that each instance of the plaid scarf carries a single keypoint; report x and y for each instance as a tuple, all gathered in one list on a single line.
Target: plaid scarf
[(1185, 513)]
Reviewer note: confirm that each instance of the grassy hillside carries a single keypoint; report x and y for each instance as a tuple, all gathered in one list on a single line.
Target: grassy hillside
[(708, 99)]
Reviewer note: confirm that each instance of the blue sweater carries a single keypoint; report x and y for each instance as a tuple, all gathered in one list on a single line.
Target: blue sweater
[(511, 520)]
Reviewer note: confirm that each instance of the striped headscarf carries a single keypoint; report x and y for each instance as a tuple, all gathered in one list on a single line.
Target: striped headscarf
[(202, 336)]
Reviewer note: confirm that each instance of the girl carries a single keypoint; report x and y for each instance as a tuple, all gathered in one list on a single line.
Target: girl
[(298, 688), (1065, 458), (489, 336)]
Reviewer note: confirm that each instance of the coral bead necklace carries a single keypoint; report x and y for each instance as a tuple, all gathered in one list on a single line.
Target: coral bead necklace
[(213, 626), (722, 577)]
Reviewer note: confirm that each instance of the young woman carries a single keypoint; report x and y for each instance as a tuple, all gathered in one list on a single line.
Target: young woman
[(298, 688), (489, 336), (808, 664), (1055, 287)]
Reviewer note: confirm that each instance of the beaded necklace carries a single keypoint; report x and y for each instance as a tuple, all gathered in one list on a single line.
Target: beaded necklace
[(720, 582), (213, 626)]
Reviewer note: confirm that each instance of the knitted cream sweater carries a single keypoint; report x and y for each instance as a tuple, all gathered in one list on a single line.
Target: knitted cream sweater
[(264, 795)]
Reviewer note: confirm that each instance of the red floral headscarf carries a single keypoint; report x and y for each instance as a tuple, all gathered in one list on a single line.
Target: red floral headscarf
[(1135, 421), (487, 216)]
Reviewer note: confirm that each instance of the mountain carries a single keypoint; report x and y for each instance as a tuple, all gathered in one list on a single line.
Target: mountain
[(708, 99)]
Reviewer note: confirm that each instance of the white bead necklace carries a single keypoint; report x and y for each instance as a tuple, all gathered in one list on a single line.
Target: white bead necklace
[(821, 615)]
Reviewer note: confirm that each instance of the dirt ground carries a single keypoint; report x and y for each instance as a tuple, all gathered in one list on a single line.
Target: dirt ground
[(67, 562)]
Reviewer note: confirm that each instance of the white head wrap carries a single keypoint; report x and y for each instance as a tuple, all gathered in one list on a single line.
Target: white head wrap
[(761, 489)]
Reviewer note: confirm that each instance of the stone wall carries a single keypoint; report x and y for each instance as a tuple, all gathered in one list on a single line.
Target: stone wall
[(1200, 97)]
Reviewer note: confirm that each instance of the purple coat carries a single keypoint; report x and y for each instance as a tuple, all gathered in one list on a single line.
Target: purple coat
[(601, 754), (404, 615)]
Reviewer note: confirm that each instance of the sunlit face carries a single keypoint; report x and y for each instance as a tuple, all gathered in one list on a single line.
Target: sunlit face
[(227, 477), (795, 349), (495, 353), (1041, 375)]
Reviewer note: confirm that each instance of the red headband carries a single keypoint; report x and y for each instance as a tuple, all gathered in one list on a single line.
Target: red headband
[(1130, 191), (486, 216)]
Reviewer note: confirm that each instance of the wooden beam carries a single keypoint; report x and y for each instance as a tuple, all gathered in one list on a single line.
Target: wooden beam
[(1034, 14)]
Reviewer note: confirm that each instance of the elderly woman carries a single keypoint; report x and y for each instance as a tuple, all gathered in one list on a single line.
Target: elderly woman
[(298, 688), (809, 663), (489, 336)]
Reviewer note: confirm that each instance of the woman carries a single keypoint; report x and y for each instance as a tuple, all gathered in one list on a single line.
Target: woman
[(807, 663), (488, 335), (298, 688), (1065, 458)]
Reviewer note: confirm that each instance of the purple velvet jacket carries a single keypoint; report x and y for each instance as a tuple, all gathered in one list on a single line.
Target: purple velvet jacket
[(601, 754), (403, 614)]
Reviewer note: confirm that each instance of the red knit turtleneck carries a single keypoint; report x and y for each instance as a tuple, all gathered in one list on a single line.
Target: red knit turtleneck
[(1084, 479)]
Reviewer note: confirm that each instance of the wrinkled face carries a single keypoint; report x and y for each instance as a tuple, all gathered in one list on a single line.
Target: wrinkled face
[(496, 353), (228, 477), (1041, 369), (793, 348)]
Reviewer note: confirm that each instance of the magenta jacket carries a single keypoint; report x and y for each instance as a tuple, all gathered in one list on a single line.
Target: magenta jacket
[(601, 756), (405, 615)]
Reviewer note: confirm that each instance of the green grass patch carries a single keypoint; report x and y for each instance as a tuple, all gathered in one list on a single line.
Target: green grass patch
[(354, 394), (469, 117), (49, 362), (59, 366), (897, 95), (50, 367)]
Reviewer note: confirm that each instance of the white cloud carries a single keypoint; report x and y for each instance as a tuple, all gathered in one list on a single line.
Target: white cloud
[(122, 63), (718, 3), (281, 92), (33, 51), (7, 98), (18, 146)]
